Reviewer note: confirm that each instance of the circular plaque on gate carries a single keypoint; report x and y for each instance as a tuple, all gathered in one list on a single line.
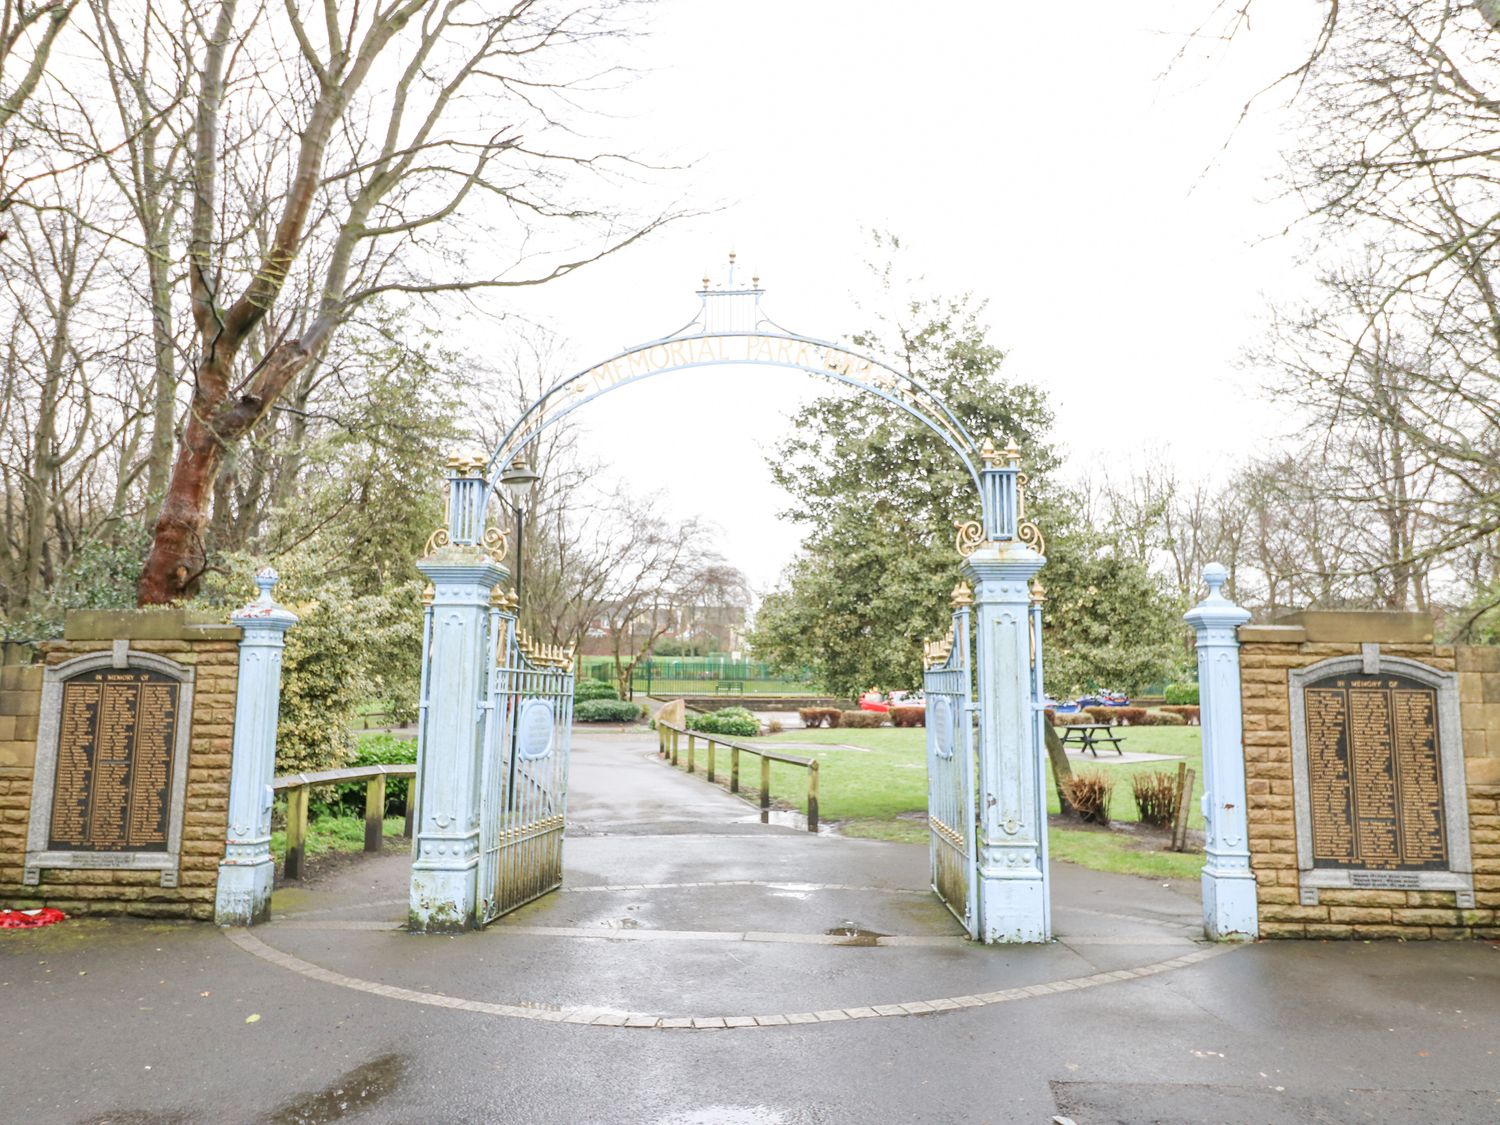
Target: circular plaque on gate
[(534, 729), (942, 723)]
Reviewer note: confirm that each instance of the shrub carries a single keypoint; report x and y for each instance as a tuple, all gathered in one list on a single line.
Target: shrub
[(1155, 797), (1089, 792), (1189, 714), (1119, 716), (734, 721), (1162, 719), (908, 716), (1072, 719), (1182, 694), (774, 727), (606, 711), (819, 716), (586, 690), (348, 799), (330, 667), (861, 720)]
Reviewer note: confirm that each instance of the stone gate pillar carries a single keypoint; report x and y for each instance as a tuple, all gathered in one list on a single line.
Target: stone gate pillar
[(1229, 909), (445, 848), (243, 895), (1013, 878)]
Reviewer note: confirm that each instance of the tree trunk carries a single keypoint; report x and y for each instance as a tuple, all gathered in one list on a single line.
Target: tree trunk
[(1062, 771), (177, 560)]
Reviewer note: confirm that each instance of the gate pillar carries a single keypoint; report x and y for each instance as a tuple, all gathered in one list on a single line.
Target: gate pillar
[(1014, 883), (445, 848), (243, 894), (1229, 901)]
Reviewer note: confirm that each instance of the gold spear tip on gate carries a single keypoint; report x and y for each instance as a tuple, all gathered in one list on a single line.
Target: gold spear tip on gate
[(962, 595), (1013, 452), (988, 455), (1038, 592), (466, 464)]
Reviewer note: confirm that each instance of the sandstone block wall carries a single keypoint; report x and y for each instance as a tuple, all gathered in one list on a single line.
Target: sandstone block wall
[(211, 649), (1267, 655)]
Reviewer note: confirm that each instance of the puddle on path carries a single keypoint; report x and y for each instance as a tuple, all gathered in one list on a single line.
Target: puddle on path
[(854, 935), (725, 1115), (786, 818), (351, 1093)]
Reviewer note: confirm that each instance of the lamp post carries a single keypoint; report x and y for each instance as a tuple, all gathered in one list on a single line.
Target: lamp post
[(517, 481)]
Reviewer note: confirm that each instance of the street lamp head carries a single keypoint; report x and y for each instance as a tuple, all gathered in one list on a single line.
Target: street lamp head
[(518, 479)]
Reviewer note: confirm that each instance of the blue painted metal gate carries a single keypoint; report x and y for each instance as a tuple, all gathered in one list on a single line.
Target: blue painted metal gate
[(951, 760), (527, 739)]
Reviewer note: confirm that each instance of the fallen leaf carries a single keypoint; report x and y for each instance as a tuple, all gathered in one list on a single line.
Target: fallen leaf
[(203, 994), (253, 1019), (1422, 1054)]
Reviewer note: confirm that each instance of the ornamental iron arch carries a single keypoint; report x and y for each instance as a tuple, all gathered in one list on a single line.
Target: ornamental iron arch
[(480, 675)]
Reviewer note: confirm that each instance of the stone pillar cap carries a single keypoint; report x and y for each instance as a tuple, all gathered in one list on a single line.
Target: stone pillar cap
[(264, 612)]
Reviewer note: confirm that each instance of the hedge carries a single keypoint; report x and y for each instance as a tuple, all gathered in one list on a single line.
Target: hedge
[(1068, 718), (1189, 714), (909, 716), (1121, 716), (819, 716), (606, 711), (1162, 719), (1181, 694), (861, 720), (586, 690), (734, 721)]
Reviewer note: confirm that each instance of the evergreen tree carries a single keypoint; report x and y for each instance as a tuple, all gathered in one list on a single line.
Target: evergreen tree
[(880, 494)]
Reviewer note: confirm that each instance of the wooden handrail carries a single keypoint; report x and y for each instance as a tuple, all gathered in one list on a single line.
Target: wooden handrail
[(668, 746), (353, 773), (296, 786)]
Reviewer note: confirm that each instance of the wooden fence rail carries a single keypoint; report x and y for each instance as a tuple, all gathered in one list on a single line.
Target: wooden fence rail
[(669, 745), (296, 786)]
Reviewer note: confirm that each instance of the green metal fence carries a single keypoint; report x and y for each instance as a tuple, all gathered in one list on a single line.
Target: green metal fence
[(706, 675)]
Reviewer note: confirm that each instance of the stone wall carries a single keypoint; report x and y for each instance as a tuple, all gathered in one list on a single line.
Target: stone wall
[(212, 650), (1268, 654)]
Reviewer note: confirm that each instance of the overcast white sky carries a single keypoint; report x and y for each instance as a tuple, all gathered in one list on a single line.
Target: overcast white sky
[(1051, 159)]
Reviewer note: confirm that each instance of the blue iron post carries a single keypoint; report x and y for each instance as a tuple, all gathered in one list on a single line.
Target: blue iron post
[(243, 896), (462, 567), (1229, 904), (1013, 879)]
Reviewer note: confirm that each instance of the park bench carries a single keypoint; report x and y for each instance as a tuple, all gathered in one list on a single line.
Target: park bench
[(1089, 735), (729, 687)]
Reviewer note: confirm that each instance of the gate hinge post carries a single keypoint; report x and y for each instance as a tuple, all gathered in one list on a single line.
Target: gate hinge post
[(456, 662), (1013, 881)]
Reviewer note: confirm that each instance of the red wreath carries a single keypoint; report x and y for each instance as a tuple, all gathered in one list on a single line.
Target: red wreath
[(30, 919)]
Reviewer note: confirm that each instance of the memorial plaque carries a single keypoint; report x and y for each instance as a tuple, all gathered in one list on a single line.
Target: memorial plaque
[(1379, 776), (1375, 778), (113, 782)]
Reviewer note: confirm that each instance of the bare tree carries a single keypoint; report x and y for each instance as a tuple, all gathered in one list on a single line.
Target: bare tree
[(384, 171), (661, 568)]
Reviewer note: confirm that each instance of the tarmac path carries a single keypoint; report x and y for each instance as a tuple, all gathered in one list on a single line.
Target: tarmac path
[(699, 967)]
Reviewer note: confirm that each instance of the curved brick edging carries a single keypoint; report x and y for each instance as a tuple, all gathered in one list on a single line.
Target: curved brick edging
[(596, 1017)]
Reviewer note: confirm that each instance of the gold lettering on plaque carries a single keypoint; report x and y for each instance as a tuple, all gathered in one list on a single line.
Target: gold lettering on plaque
[(112, 788), (1374, 774)]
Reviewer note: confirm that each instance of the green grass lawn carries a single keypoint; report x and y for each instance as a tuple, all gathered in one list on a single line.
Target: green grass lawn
[(868, 788), (335, 834)]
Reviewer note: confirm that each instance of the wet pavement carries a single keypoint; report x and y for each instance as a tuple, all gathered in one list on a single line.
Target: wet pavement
[(699, 968)]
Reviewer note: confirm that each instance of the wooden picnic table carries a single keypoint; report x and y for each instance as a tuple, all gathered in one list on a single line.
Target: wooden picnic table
[(1089, 735)]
